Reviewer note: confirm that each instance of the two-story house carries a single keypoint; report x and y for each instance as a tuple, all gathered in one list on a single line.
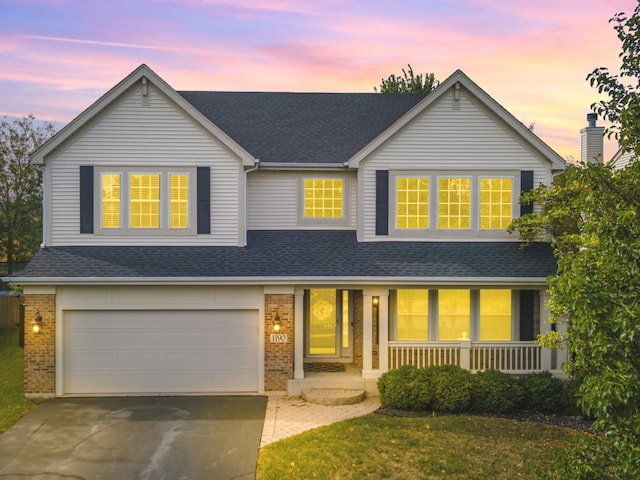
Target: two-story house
[(215, 242)]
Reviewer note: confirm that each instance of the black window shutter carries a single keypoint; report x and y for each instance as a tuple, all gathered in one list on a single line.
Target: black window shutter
[(382, 202), (526, 315), (86, 199), (203, 188), (526, 184)]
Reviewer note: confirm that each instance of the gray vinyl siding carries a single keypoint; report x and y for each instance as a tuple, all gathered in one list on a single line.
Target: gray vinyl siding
[(274, 200), (443, 138), (155, 135), (622, 160)]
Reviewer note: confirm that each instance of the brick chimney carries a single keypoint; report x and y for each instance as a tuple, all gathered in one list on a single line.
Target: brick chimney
[(592, 140)]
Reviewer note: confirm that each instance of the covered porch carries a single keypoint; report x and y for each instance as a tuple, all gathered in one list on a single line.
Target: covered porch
[(375, 352)]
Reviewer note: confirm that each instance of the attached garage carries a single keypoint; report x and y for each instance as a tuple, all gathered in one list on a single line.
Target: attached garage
[(119, 352)]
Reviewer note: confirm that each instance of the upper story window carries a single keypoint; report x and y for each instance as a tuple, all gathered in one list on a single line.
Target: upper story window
[(323, 198), (412, 202), (454, 202), (451, 205), (496, 202), (134, 201), (144, 200)]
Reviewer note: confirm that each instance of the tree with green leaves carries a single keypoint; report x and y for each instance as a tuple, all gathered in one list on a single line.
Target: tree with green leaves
[(622, 107), (20, 189), (591, 215), (408, 83)]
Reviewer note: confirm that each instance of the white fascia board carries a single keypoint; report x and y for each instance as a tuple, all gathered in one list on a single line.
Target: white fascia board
[(432, 281), (103, 102), (556, 161)]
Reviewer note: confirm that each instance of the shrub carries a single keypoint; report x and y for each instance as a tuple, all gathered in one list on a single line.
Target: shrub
[(571, 388), (598, 457), (451, 388), (544, 393), (496, 392), (406, 388)]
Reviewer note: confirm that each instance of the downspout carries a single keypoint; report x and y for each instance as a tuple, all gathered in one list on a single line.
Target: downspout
[(43, 245), (246, 196)]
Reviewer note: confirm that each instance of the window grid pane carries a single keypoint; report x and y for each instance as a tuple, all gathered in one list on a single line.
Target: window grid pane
[(179, 200), (412, 322), (454, 314), (495, 314), (323, 198), (496, 203), (110, 200), (412, 202), (144, 200), (454, 203)]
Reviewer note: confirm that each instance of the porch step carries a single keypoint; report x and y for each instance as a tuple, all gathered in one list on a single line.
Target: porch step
[(333, 396)]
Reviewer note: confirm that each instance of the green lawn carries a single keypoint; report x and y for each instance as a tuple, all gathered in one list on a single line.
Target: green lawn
[(452, 447), (13, 403)]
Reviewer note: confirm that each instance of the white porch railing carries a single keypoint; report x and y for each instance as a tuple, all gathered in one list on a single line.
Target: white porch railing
[(509, 357)]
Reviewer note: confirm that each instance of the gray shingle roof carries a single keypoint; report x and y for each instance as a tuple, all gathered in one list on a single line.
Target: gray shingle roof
[(299, 254), (302, 127)]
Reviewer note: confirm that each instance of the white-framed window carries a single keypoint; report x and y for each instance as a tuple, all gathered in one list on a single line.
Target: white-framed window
[(453, 314), (452, 204), (145, 201), (323, 200)]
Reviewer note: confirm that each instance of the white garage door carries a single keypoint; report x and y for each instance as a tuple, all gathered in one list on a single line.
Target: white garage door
[(160, 352)]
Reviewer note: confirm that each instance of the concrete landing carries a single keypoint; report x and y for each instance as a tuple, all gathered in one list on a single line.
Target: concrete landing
[(333, 396)]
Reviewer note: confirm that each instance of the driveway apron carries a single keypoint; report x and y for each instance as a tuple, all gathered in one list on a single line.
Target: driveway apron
[(146, 438)]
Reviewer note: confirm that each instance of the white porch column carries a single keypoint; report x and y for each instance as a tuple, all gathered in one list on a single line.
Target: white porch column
[(298, 329), (545, 327), (383, 332)]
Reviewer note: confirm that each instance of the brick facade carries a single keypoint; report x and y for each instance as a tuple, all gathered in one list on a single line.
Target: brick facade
[(278, 357), (40, 348), (358, 328)]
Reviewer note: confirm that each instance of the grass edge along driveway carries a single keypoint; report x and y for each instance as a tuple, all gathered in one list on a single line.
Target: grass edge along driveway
[(13, 404)]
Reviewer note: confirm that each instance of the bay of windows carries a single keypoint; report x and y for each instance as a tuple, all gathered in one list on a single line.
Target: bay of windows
[(456, 203), (452, 314), (145, 201)]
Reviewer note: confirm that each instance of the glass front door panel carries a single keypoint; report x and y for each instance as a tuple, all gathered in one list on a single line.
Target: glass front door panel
[(322, 322), (346, 340)]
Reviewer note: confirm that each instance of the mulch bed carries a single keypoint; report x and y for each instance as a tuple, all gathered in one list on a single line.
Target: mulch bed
[(567, 421)]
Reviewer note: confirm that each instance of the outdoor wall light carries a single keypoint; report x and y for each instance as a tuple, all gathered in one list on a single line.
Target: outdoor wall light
[(376, 300), (37, 323), (276, 322)]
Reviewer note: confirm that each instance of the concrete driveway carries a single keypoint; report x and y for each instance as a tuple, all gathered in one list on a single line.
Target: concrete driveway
[(146, 438)]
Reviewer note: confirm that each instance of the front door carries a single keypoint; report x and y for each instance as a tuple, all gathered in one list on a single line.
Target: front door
[(329, 325)]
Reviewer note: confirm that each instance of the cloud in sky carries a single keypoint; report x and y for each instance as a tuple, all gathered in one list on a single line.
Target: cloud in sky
[(58, 56)]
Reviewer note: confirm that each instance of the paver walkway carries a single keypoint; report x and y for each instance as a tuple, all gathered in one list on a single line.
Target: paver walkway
[(288, 416)]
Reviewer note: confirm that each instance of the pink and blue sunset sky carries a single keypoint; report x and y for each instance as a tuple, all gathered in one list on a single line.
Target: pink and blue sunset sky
[(58, 56)]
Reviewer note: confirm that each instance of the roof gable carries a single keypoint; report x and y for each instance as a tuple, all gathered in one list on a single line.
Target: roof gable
[(456, 80), (141, 74)]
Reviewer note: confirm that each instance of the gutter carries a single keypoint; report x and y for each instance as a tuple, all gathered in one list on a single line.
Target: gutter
[(301, 165), (283, 280), (246, 197)]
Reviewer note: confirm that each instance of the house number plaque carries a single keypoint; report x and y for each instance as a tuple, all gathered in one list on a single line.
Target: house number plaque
[(279, 338)]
